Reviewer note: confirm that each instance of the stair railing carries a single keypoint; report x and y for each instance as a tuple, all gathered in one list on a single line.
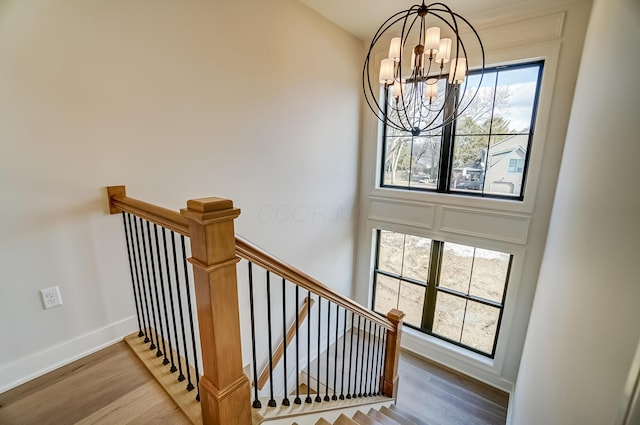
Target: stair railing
[(350, 351), (366, 342)]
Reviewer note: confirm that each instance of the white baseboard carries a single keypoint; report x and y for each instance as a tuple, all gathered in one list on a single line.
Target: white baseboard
[(37, 364)]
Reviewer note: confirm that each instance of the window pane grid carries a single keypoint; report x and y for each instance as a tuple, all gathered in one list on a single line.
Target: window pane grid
[(399, 277), (497, 126), (468, 288), (469, 297)]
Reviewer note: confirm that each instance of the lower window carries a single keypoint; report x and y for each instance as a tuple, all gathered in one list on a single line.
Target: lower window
[(451, 291)]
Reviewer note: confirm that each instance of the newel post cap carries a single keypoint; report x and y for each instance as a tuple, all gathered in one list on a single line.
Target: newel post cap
[(396, 316), (210, 209)]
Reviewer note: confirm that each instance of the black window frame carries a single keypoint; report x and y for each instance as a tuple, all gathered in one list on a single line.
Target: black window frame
[(432, 289), (447, 145)]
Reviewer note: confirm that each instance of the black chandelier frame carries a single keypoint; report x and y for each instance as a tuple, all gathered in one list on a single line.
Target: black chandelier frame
[(454, 103)]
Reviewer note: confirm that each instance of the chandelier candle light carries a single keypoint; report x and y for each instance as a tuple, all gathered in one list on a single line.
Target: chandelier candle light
[(431, 90)]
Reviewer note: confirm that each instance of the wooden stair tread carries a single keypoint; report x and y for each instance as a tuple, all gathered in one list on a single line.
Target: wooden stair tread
[(363, 419), (395, 416), (379, 417), (322, 421), (344, 420)]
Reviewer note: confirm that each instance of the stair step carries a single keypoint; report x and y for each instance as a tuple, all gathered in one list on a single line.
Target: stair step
[(303, 390), (363, 419), (323, 421), (396, 416), (379, 417), (344, 420)]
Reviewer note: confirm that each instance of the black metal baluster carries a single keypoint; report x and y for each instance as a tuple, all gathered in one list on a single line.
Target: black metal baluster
[(133, 283), (145, 238), (326, 380), (153, 290), (189, 386), (184, 341), (374, 368), (363, 372), (365, 363), (355, 384), (272, 402), (137, 261), (285, 401), (256, 403), (136, 255), (362, 369), (334, 397), (193, 333), (148, 333), (145, 283), (344, 348), (350, 355), (367, 388), (164, 323), (171, 303), (308, 399), (319, 357), (384, 359), (378, 359), (297, 399)]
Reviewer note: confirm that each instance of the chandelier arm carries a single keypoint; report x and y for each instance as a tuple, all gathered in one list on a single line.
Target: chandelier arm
[(404, 34), (386, 25), (483, 61), (456, 110), (413, 111), (378, 111)]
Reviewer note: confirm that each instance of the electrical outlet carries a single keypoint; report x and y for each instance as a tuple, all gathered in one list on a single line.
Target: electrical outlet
[(50, 297)]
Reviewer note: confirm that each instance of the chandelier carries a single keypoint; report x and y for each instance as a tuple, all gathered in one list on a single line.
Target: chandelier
[(424, 73)]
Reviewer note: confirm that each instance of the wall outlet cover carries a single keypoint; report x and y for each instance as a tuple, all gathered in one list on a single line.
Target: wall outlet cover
[(51, 297)]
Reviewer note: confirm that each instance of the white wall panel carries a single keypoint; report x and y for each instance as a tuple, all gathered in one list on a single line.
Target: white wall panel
[(485, 224)]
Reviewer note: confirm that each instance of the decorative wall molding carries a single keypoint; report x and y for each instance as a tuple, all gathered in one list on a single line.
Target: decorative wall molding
[(408, 213), (504, 227)]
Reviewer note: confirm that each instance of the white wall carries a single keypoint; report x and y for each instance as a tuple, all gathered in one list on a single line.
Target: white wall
[(585, 324), (510, 35), (255, 101)]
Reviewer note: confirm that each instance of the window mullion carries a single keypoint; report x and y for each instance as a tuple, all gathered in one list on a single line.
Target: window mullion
[(429, 309), (446, 150), (384, 139)]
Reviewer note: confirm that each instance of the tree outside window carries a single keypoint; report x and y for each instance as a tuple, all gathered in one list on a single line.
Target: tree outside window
[(472, 155)]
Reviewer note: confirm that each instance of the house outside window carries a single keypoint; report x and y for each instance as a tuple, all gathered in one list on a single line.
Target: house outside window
[(474, 154), (516, 165)]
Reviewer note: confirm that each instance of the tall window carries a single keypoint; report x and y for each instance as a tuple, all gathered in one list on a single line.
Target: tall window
[(451, 291), (474, 154)]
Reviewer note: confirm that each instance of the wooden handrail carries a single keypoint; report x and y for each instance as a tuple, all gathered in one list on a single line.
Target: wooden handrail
[(173, 220), (215, 250), (250, 252), (277, 355)]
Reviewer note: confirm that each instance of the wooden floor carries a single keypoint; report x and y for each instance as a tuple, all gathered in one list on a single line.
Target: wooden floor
[(434, 395), (430, 393), (112, 387), (108, 387)]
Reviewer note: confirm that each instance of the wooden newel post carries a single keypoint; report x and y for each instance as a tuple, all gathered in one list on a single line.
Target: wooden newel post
[(390, 384), (224, 388)]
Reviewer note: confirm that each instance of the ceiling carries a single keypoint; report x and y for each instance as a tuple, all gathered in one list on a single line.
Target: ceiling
[(363, 17)]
